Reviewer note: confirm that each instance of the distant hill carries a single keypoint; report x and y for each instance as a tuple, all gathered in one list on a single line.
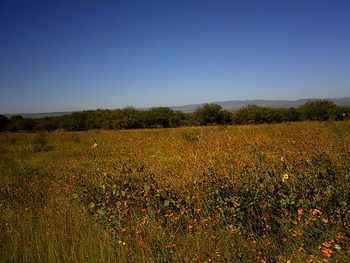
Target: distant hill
[(40, 115), (237, 104), (231, 105)]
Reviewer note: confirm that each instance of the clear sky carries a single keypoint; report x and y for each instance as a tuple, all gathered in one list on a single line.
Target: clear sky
[(72, 55)]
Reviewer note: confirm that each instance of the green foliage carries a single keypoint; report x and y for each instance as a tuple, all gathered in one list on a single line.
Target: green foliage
[(164, 117), (209, 114), (253, 114), (277, 204), (3, 122), (157, 117), (320, 110), (18, 123)]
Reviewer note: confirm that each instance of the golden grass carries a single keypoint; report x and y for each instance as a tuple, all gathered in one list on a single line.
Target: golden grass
[(44, 217)]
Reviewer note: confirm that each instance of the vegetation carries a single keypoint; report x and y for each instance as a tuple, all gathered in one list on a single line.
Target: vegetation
[(266, 193), (164, 117)]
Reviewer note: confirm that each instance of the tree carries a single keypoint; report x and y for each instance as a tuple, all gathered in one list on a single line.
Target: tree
[(18, 123), (253, 114), (128, 118), (157, 117), (320, 110), (3, 122), (208, 114), (179, 119)]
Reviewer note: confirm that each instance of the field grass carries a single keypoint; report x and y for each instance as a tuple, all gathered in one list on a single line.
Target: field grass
[(267, 193)]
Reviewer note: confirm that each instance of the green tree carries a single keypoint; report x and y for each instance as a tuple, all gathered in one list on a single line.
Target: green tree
[(3, 122), (208, 114), (179, 119), (252, 114), (320, 110), (157, 117)]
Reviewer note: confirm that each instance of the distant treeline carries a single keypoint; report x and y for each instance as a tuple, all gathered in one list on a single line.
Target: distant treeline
[(163, 117)]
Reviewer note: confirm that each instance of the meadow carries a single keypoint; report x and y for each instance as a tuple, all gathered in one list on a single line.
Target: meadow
[(253, 193)]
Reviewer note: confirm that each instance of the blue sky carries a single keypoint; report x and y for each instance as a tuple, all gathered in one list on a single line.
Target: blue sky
[(74, 55)]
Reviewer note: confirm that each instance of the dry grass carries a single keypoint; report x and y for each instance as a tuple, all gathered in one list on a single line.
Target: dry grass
[(184, 194)]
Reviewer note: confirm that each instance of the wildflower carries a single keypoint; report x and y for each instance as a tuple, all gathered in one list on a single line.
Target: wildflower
[(337, 247), (324, 220), (300, 214), (122, 242), (328, 244), (297, 233), (169, 215), (315, 212), (340, 236), (170, 246), (144, 221), (94, 145), (327, 252), (285, 177)]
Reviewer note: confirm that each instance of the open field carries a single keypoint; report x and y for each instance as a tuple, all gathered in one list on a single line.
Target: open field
[(267, 193)]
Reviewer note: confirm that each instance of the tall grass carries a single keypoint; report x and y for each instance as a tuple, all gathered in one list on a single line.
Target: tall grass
[(268, 193)]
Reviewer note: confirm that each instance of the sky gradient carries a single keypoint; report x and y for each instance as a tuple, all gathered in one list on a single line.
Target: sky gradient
[(75, 55)]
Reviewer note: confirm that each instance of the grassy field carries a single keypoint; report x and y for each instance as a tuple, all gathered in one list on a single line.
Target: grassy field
[(267, 193)]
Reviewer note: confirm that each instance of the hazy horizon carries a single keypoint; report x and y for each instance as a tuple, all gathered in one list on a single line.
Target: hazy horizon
[(181, 106), (80, 55)]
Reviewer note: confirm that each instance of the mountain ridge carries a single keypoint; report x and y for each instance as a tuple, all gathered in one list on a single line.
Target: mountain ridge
[(230, 105)]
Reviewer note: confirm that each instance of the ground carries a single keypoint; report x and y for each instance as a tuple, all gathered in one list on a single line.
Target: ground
[(260, 193)]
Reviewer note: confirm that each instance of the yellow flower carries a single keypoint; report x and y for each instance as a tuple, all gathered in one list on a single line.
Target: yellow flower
[(94, 146), (285, 177)]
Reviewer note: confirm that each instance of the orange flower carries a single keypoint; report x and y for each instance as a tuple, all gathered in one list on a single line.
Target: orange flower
[(297, 233), (144, 221), (170, 246), (340, 236), (300, 214), (327, 252), (315, 212), (324, 220), (328, 244)]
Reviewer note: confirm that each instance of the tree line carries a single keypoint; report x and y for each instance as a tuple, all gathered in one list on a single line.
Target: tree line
[(164, 117)]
